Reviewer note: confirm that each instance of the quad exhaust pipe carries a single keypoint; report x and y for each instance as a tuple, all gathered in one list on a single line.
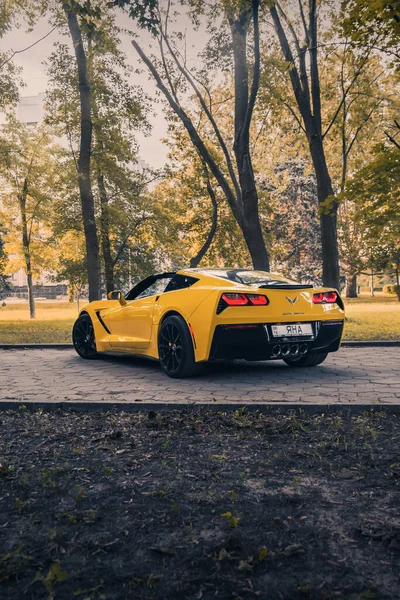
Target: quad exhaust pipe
[(289, 350)]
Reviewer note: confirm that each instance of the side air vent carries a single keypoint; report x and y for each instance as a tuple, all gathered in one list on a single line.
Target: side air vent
[(102, 322)]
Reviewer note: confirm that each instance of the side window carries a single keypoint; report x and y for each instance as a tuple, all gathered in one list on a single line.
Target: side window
[(158, 287), (180, 282)]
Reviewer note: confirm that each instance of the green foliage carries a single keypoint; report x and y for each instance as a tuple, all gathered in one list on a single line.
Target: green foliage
[(145, 12), (374, 22), (293, 225), (119, 111), (53, 576), (232, 521), (30, 173), (375, 191), (9, 82), (12, 13)]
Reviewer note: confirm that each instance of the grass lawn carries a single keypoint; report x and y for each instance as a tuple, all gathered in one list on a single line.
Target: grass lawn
[(375, 318), (368, 318), (186, 506), (53, 323)]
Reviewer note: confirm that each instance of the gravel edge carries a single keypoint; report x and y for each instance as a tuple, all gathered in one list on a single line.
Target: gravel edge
[(195, 407)]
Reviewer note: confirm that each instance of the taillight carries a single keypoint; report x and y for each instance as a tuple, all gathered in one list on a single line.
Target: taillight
[(229, 299), (235, 299), (325, 298), (257, 299)]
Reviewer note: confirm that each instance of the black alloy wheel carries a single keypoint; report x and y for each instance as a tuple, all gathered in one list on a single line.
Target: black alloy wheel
[(175, 348), (83, 337), (311, 359)]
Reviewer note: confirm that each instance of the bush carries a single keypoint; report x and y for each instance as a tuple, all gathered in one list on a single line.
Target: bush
[(390, 289)]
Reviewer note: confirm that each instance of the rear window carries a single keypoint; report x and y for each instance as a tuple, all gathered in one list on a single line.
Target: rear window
[(247, 277)]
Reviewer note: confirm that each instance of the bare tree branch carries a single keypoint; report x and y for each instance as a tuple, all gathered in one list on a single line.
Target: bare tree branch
[(193, 133), (302, 100), (315, 85), (290, 26), (344, 96), (210, 117), (306, 32), (9, 58), (256, 70), (392, 139)]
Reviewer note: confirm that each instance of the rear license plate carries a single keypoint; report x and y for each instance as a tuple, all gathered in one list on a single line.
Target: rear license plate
[(292, 330)]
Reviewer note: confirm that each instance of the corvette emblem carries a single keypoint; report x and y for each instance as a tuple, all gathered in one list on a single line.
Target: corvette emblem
[(292, 301)]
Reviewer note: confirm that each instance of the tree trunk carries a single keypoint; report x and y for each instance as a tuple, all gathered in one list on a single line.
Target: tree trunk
[(248, 202), (104, 203), (31, 300), (84, 162), (255, 242), (328, 213), (397, 282), (310, 110), (105, 234), (351, 286), (26, 248), (372, 283)]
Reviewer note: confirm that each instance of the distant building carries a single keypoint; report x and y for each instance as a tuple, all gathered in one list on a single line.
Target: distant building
[(30, 110)]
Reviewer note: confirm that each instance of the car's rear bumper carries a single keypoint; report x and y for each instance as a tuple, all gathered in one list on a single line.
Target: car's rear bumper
[(256, 342)]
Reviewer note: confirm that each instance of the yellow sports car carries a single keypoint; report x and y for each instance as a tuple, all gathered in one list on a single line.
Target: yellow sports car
[(193, 316)]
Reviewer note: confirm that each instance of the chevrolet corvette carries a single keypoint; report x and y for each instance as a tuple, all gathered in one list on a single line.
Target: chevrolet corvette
[(193, 316)]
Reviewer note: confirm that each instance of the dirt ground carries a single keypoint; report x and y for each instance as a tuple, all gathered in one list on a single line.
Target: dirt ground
[(189, 506)]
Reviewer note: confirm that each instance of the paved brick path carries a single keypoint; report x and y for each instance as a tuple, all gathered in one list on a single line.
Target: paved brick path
[(352, 375)]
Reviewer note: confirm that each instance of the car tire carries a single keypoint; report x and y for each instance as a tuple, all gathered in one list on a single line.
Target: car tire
[(175, 349), (83, 337), (311, 359)]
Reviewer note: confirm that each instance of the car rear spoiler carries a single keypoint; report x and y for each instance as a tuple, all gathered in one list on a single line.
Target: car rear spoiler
[(285, 286)]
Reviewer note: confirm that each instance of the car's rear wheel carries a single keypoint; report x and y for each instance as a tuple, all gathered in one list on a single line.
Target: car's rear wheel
[(83, 337), (175, 348), (311, 359)]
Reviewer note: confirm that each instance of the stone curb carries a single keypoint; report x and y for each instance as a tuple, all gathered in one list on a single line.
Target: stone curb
[(349, 344), (36, 346), (370, 343), (143, 406)]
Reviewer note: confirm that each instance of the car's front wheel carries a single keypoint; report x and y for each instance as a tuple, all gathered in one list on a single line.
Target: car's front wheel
[(175, 348), (311, 359), (83, 337)]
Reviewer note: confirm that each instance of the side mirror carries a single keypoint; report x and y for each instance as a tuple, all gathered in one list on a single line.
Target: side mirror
[(117, 295)]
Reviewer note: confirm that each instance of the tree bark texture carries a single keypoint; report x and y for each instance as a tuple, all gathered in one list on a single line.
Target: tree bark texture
[(105, 241), (84, 161), (307, 92), (244, 105), (328, 214), (105, 233), (26, 248), (351, 286)]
